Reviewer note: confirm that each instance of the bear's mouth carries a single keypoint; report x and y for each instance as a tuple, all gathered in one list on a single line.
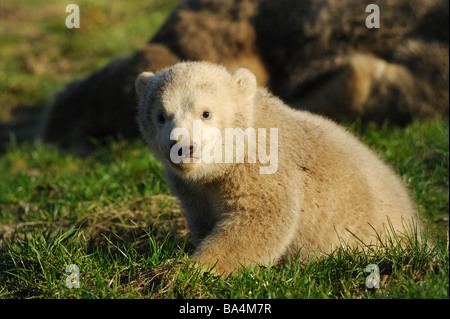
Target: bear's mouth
[(185, 166)]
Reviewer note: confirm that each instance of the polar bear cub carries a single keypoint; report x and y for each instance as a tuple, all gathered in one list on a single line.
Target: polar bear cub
[(259, 181)]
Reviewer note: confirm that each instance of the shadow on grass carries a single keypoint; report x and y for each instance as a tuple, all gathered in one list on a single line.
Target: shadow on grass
[(24, 126)]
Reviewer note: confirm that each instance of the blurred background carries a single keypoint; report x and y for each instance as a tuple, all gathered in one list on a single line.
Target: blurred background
[(39, 55)]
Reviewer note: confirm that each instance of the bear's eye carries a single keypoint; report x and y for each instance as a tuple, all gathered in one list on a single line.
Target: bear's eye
[(160, 118), (206, 115)]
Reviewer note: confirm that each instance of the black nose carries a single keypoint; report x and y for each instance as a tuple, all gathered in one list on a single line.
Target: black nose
[(180, 151), (192, 149)]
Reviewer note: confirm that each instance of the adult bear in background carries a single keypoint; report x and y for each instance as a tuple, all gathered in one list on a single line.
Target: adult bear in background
[(325, 59), (316, 55)]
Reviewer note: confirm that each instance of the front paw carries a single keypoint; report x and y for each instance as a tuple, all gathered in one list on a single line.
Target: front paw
[(214, 265)]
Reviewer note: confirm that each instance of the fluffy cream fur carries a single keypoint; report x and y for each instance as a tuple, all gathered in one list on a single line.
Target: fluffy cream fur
[(328, 187)]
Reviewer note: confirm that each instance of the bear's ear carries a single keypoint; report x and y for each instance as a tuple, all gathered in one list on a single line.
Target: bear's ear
[(245, 80), (141, 82)]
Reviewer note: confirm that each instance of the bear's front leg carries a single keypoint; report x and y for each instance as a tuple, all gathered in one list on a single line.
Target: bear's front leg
[(259, 235)]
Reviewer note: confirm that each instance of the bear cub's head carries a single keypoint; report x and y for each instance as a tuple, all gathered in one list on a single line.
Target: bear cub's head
[(182, 108)]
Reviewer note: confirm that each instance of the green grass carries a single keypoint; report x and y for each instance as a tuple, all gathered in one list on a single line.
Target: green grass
[(111, 214), (38, 54)]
